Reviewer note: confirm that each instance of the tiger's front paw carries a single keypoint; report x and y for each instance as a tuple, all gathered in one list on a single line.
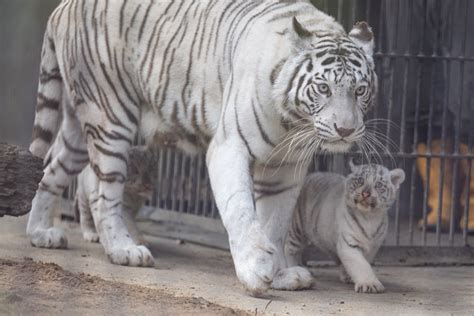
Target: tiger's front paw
[(135, 256), (48, 238), (255, 263), (293, 278), (371, 287)]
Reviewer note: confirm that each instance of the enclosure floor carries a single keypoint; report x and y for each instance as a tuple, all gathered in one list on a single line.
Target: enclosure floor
[(190, 271)]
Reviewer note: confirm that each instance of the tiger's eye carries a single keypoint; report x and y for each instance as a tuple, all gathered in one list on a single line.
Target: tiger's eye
[(323, 88), (360, 91)]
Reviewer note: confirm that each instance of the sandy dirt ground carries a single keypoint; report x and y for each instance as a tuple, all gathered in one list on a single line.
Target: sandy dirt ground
[(37, 288), (191, 279)]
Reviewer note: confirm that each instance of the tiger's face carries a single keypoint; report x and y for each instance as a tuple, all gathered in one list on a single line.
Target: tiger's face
[(332, 84), (372, 188)]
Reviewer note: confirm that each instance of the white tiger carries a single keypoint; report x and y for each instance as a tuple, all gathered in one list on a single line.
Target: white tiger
[(261, 84), (347, 218)]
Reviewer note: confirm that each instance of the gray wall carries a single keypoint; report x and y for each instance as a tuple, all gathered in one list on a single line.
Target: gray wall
[(22, 24)]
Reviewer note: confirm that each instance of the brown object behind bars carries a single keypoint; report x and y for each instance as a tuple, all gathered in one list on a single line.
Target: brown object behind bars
[(20, 173)]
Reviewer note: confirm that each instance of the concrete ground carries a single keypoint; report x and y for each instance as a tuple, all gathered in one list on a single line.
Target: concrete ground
[(191, 271)]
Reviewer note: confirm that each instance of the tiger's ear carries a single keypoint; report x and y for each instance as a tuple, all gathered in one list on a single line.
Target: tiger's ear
[(299, 34), (351, 165), (397, 176), (363, 36)]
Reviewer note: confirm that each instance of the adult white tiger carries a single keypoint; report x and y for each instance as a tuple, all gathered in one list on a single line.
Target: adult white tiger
[(265, 83)]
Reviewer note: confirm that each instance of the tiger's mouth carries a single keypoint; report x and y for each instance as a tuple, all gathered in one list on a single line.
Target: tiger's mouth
[(337, 146)]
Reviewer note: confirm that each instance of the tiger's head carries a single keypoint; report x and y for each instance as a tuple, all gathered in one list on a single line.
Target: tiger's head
[(328, 84)]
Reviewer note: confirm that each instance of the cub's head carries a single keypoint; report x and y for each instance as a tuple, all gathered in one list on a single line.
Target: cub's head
[(372, 187), (329, 83)]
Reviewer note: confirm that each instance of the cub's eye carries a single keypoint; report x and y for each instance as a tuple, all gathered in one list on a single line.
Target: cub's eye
[(359, 181), (378, 185), (323, 89), (360, 91)]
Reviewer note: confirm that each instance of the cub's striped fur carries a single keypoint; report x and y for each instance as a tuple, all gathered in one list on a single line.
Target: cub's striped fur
[(347, 218), (261, 84)]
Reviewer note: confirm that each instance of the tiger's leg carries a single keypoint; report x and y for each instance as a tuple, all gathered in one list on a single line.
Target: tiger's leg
[(66, 158), (358, 267), (276, 192), (86, 185), (109, 158), (253, 253)]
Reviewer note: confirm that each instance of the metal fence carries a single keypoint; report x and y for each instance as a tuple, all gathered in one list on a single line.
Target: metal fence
[(425, 63)]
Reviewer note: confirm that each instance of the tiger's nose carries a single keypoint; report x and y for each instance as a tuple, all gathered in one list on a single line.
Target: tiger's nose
[(365, 194), (344, 132)]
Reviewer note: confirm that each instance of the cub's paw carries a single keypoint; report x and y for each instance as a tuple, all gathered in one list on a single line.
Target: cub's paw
[(293, 278), (135, 256), (48, 238), (90, 236), (371, 287)]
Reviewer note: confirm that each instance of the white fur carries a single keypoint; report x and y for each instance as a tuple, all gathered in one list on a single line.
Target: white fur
[(229, 84), (350, 236), (86, 185)]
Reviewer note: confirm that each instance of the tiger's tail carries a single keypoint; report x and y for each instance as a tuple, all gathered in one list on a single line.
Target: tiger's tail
[(48, 106)]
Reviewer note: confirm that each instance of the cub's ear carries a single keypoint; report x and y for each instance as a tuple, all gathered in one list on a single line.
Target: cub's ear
[(299, 34), (351, 165), (397, 176), (363, 36)]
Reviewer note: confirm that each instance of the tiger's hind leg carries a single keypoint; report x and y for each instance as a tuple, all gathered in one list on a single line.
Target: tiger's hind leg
[(66, 158), (109, 158), (86, 185)]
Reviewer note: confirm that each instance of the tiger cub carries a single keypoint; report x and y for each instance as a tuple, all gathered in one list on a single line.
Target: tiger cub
[(138, 188), (347, 218)]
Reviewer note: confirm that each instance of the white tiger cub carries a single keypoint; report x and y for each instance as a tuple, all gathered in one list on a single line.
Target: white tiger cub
[(347, 218), (138, 187)]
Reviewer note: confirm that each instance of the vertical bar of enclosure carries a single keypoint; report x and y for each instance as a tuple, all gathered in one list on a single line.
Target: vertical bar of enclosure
[(431, 60), (164, 179), (169, 179), (193, 189), (379, 55), (458, 121), (198, 198), (412, 202), (442, 152), (339, 10), (156, 179), (175, 188), (419, 64), (353, 12), (368, 12), (184, 179), (403, 123), (467, 197), (392, 61), (406, 59), (468, 191), (454, 184)]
